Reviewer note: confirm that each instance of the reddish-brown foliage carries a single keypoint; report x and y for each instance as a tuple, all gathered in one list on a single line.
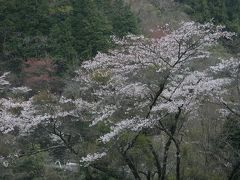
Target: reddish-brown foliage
[(38, 72)]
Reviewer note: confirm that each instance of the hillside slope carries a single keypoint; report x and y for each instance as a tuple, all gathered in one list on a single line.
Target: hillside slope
[(154, 13)]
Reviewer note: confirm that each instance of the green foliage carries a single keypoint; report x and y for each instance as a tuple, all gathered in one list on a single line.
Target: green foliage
[(223, 11), (30, 167), (91, 29), (122, 19), (23, 26), (232, 132), (66, 31), (61, 44)]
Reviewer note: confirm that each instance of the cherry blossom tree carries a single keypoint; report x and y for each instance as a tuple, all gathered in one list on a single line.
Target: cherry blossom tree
[(11, 108), (144, 88), (151, 86), (17, 110), (228, 154)]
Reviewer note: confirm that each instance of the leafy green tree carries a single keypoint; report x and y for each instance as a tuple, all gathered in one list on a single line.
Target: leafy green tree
[(31, 17), (61, 43), (218, 10), (23, 28), (90, 28), (30, 167), (223, 11), (120, 15), (233, 12), (65, 30)]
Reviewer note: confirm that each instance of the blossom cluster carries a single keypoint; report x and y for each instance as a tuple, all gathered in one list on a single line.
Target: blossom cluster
[(92, 157), (135, 85), (126, 81)]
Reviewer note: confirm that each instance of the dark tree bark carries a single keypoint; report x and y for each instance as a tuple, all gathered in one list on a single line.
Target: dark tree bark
[(235, 171), (171, 138), (165, 158), (157, 163), (178, 163), (131, 166)]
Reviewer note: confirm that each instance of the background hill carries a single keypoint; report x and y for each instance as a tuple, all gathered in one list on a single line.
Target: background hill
[(49, 46)]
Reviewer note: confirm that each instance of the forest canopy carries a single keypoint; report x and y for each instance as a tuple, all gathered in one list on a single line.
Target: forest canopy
[(119, 89), (222, 11), (67, 31)]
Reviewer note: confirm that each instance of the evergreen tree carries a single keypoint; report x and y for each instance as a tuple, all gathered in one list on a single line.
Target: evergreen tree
[(222, 11), (120, 15), (66, 30), (218, 10), (31, 17), (233, 14), (199, 9), (91, 29), (61, 43), (23, 28)]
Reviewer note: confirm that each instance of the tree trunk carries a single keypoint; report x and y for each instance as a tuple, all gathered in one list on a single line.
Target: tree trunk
[(171, 138), (165, 158), (131, 166), (178, 159), (157, 163), (234, 172), (149, 175)]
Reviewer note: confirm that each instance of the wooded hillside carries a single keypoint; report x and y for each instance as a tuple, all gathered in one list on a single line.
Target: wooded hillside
[(119, 90)]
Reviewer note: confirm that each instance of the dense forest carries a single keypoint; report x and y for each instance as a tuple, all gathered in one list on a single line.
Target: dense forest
[(119, 89), (222, 11), (66, 31)]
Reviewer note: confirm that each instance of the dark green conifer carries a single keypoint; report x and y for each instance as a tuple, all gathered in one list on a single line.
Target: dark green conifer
[(90, 28)]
